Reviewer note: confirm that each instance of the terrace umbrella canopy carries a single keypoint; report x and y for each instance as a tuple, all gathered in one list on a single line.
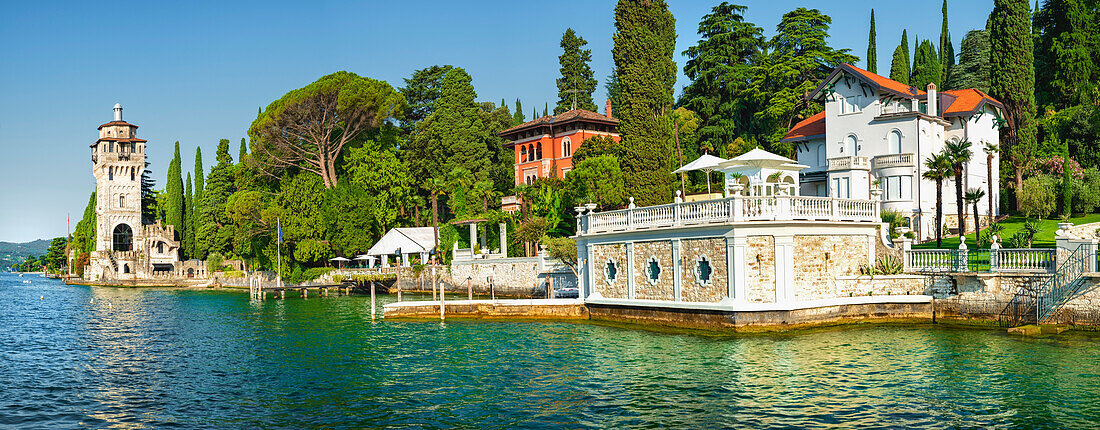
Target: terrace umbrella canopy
[(706, 163), (339, 260)]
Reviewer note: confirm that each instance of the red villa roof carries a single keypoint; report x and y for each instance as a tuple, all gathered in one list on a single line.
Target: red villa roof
[(116, 123), (968, 102), (564, 117), (807, 128)]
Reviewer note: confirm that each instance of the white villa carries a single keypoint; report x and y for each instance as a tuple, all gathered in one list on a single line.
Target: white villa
[(877, 129)]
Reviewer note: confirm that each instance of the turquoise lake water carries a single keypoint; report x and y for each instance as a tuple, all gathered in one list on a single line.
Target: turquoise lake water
[(86, 357)]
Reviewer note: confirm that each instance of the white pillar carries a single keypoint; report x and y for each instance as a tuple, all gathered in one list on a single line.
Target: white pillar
[(740, 284), (504, 240), (473, 235), (784, 269), (676, 283), (629, 270)]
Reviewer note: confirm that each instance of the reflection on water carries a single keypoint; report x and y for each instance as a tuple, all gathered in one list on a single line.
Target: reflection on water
[(149, 358)]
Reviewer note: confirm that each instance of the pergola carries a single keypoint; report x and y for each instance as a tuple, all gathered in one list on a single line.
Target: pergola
[(761, 173)]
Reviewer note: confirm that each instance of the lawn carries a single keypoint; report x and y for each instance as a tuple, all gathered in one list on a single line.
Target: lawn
[(1043, 239)]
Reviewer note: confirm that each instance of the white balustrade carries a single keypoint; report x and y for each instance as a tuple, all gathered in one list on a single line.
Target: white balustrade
[(1030, 260), (734, 209), (893, 160)]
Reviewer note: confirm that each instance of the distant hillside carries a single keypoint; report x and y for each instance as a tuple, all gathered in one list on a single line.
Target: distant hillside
[(12, 253)]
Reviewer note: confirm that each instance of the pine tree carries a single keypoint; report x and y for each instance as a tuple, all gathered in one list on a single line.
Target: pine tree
[(872, 50), (577, 82), (926, 66), (517, 117), (1012, 79), (644, 43), (174, 189), (453, 135), (899, 65), (947, 49), (189, 217), (973, 68)]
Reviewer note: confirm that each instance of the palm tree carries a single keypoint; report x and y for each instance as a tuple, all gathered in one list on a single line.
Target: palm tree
[(973, 196), (959, 153), (435, 187), (991, 150), (483, 190), (459, 181), (939, 169)]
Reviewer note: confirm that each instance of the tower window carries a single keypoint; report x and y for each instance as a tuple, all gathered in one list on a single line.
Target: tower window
[(110, 174), (566, 147), (121, 201), (131, 174)]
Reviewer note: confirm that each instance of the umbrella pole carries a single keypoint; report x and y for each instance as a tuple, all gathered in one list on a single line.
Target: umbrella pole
[(708, 183)]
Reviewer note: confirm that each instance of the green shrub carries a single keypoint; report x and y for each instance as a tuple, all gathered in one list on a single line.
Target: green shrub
[(233, 274), (313, 273), (1038, 199)]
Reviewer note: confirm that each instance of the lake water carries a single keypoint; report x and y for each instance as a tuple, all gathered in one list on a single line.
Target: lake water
[(73, 356)]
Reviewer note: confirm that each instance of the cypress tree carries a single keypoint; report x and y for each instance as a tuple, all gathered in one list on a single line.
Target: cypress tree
[(644, 43), (926, 66), (214, 233), (899, 65), (84, 234), (546, 109), (1012, 79), (243, 152), (972, 71), (577, 82), (1065, 52), (517, 118), (174, 188), (196, 200), (534, 114), (189, 218), (947, 50), (872, 50)]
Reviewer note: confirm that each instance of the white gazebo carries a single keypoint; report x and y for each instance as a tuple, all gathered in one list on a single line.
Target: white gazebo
[(408, 240), (760, 173)]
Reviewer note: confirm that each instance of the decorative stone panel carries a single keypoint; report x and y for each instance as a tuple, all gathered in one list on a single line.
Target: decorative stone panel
[(819, 260), (663, 288), (760, 268), (617, 289), (691, 288)]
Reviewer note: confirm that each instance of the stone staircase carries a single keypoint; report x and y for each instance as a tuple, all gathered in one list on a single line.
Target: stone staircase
[(1067, 282)]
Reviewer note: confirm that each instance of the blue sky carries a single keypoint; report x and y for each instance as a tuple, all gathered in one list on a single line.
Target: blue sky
[(197, 71)]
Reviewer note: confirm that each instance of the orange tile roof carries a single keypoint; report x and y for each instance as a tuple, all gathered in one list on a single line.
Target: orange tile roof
[(887, 83), (572, 115), (967, 102), (120, 139), (812, 126), (116, 123)]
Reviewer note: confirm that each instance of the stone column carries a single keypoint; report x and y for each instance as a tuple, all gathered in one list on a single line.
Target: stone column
[(504, 240), (590, 276), (730, 292), (676, 269), (740, 284), (473, 237), (629, 270), (784, 269)]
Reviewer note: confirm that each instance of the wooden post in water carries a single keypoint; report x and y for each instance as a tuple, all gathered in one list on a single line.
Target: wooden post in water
[(305, 293), (372, 299), (470, 288), (441, 299), (435, 281), (398, 285)]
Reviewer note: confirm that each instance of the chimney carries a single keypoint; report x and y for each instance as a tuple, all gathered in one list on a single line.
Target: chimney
[(608, 105), (933, 101)]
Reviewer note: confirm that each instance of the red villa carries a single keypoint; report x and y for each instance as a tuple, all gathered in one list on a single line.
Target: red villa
[(545, 146)]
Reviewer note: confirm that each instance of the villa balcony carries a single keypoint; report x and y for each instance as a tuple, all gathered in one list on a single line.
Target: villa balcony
[(729, 211), (850, 163), (894, 160)]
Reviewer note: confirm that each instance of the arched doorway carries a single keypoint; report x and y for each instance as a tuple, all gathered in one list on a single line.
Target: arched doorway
[(190, 273), (123, 238), (125, 268)]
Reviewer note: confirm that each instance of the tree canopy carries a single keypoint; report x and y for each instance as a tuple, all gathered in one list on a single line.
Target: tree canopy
[(577, 83)]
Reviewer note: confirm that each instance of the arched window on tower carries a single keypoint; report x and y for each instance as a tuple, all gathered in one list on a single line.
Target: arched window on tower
[(110, 173), (121, 201), (522, 154), (895, 142), (566, 147), (538, 152), (132, 174), (122, 238)]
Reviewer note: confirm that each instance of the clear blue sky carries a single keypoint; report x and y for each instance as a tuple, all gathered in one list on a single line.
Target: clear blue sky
[(197, 71)]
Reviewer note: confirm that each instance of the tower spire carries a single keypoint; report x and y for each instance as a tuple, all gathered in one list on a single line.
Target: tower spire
[(118, 112)]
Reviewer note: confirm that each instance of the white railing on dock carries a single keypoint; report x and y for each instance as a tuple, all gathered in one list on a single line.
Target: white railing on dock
[(732, 209), (1030, 260), (932, 260), (1041, 260)]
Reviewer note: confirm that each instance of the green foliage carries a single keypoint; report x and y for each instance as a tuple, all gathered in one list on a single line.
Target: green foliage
[(1066, 57), (926, 66), (596, 146), (563, 249), (577, 83), (644, 43), (84, 236), (215, 262), (947, 50), (1012, 77), (312, 251), (55, 257), (959, 153), (720, 69), (1078, 127), (174, 189), (188, 239), (938, 168), (517, 116), (421, 91), (453, 135), (893, 220), (973, 68), (899, 65), (799, 59), (309, 127), (385, 177), (356, 218), (214, 231), (598, 180), (149, 208), (1086, 192), (872, 50), (1037, 200), (243, 151)]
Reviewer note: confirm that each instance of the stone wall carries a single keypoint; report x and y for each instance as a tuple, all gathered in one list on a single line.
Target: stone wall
[(601, 254), (760, 269), (985, 296), (519, 277), (693, 289), (881, 285), (662, 289), (819, 260)]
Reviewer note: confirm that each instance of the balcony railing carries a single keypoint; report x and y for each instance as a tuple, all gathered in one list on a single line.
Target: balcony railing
[(894, 160), (732, 210), (850, 163)]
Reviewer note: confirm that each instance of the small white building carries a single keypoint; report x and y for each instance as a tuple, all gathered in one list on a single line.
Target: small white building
[(877, 129), (404, 241)]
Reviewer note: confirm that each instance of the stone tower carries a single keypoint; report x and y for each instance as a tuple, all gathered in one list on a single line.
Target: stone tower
[(118, 159)]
